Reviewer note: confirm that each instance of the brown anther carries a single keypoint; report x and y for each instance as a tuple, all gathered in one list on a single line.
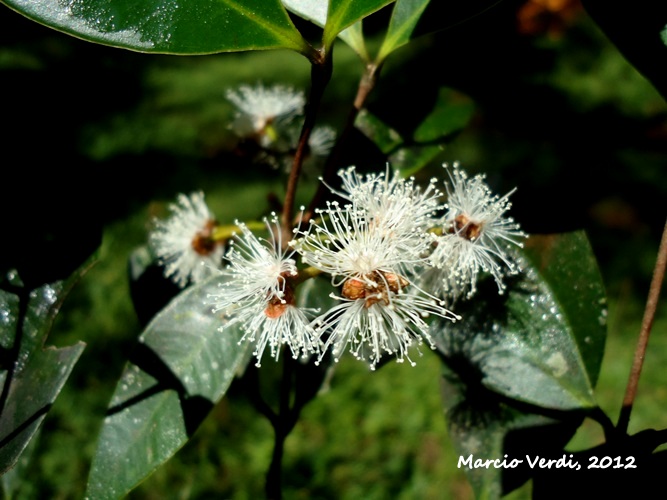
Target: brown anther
[(203, 243), (395, 282), (278, 305), (465, 228), (354, 289), (375, 287)]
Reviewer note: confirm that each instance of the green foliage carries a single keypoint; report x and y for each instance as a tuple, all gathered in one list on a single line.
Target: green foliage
[(541, 344), (450, 114), (404, 18), (32, 374), (186, 27), (518, 372), (180, 370), (344, 13), (315, 11)]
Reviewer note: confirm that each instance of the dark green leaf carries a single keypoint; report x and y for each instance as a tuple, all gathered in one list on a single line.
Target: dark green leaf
[(410, 160), (182, 367), (35, 375), (344, 13), (160, 26), (385, 138), (14, 477), (567, 264), (483, 427), (404, 18), (451, 112), (541, 342), (639, 31), (9, 312), (33, 389)]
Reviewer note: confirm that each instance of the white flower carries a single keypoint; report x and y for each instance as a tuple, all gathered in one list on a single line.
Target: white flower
[(395, 203), (183, 242), (397, 208), (476, 236), (378, 313), (259, 107), (383, 320), (321, 141), (343, 243), (259, 295)]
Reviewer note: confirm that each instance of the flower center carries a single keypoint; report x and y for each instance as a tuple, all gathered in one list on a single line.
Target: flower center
[(465, 228), (374, 287), (278, 305), (203, 243)]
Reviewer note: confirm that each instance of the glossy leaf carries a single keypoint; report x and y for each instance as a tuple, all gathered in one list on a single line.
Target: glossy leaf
[(315, 11), (33, 389), (344, 13), (15, 477), (542, 342), (167, 27), (37, 374), (404, 18), (182, 366)]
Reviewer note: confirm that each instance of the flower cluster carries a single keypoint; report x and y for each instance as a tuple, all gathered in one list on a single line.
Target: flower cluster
[(397, 253)]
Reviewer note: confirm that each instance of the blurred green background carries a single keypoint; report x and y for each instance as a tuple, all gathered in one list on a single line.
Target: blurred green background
[(97, 140)]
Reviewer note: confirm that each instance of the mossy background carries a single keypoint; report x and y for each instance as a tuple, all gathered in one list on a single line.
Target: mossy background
[(97, 141)]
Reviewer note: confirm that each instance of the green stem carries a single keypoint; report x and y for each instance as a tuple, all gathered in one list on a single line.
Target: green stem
[(644, 333), (224, 232)]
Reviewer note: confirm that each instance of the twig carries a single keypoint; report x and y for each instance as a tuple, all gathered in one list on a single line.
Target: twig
[(320, 75), (366, 85), (281, 428), (642, 342)]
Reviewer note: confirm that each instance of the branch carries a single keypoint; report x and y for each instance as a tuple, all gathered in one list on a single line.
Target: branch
[(642, 342)]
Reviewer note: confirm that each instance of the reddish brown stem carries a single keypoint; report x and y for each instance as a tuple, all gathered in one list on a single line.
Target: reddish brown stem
[(320, 75), (642, 342), (366, 85)]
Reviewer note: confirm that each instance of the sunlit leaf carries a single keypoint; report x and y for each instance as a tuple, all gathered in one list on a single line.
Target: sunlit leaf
[(404, 18), (344, 13), (541, 342), (181, 368), (162, 26)]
